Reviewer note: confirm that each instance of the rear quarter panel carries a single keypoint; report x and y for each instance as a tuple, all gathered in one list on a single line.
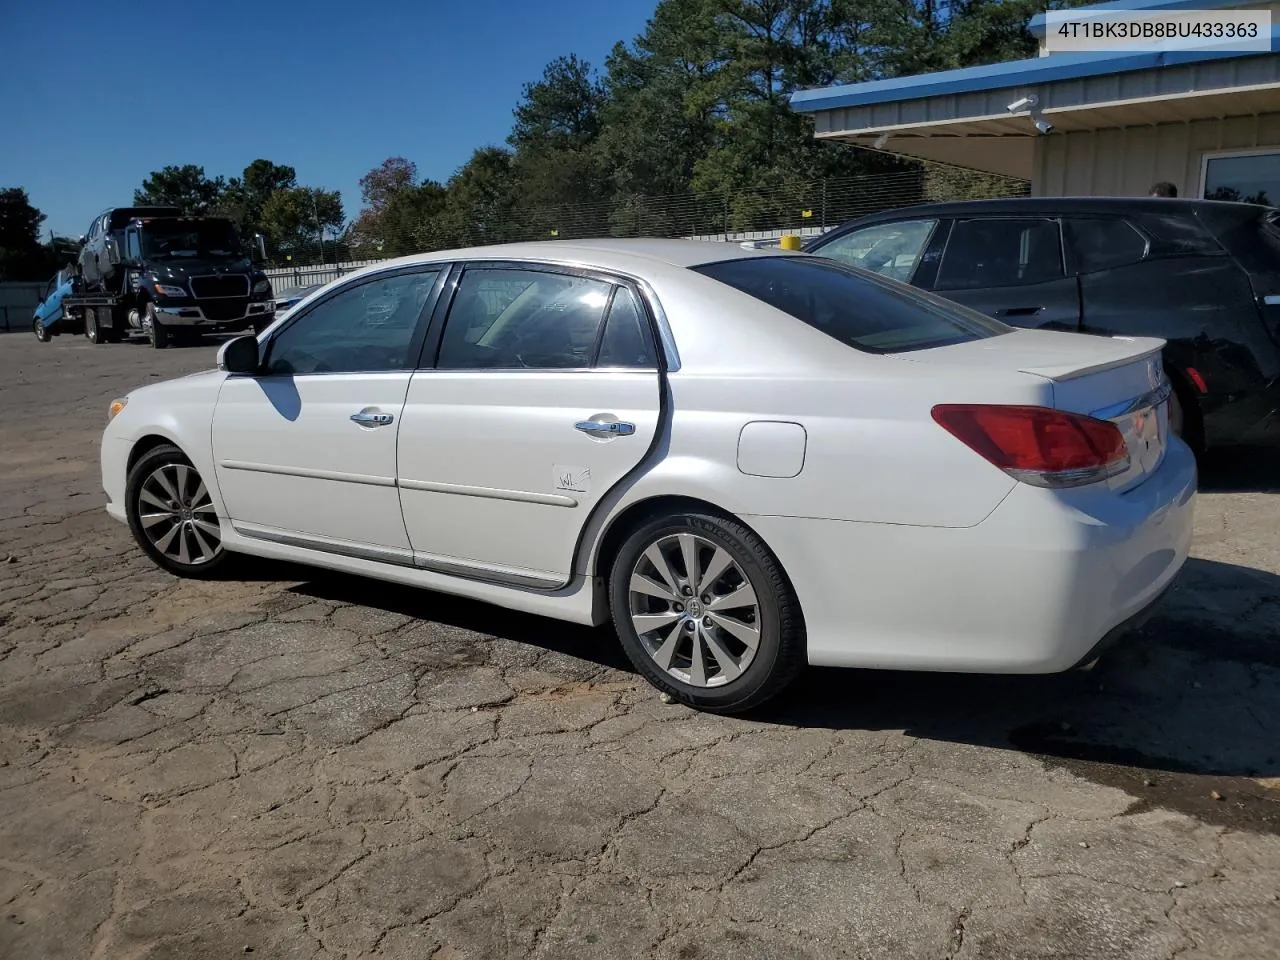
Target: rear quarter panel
[(1203, 306)]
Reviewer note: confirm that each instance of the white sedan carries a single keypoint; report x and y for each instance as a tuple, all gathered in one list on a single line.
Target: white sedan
[(748, 459)]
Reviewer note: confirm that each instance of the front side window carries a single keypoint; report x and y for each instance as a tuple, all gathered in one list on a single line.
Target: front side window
[(890, 249), (859, 309), (1099, 244), (364, 328), (511, 318), (1000, 253)]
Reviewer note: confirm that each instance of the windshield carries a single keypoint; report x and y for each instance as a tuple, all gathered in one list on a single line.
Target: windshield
[(858, 308), (176, 238)]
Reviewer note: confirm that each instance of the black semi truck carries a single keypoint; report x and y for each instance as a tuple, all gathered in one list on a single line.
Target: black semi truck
[(150, 271)]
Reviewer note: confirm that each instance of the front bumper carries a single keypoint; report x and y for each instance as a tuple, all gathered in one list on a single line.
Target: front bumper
[(194, 316), (1032, 588)]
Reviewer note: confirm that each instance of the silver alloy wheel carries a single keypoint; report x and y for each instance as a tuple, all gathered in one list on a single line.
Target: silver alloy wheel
[(177, 514), (694, 610)]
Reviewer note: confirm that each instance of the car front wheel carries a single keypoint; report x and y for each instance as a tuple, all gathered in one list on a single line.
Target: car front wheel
[(42, 333), (704, 611), (171, 514), (157, 332)]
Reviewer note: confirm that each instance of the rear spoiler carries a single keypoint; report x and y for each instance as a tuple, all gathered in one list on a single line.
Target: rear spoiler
[(1149, 347)]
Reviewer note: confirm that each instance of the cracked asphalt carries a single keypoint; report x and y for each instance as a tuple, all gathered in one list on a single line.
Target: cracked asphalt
[(298, 765)]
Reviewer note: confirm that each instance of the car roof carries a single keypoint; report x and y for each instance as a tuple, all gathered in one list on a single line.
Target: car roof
[(619, 253), (1062, 205)]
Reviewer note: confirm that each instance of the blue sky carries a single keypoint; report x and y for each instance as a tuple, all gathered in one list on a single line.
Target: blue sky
[(97, 95)]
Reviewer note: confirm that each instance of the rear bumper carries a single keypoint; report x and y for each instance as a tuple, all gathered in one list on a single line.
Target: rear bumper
[(1033, 588)]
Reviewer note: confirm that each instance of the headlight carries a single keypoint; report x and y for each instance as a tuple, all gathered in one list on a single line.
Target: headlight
[(167, 291), (116, 406), (262, 286)]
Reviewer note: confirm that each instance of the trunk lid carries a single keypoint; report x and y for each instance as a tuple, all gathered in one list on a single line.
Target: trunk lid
[(1120, 379)]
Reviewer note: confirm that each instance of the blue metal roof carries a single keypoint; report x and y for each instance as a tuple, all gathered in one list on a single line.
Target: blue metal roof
[(1014, 73), (1038, 21)]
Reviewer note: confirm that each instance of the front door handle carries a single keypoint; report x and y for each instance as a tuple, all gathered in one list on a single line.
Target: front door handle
[(372, 419), (614, 428)]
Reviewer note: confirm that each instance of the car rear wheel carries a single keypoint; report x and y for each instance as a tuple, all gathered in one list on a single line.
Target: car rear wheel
[(171, 514), (704, 611), (42, 334)]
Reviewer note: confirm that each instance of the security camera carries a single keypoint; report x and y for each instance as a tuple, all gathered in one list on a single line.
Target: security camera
[(1044, 126), (1025, 103)]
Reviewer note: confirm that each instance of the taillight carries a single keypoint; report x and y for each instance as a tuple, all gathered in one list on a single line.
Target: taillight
[(1038, 445)]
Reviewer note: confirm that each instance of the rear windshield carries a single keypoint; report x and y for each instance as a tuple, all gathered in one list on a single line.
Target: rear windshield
[(858, 308)]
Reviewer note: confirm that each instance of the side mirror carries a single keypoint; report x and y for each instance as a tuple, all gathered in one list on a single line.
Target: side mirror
[(82, 239), (259, 248), (239, 355)]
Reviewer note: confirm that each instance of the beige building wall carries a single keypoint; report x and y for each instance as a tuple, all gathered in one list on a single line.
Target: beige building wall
[(1126, 161)]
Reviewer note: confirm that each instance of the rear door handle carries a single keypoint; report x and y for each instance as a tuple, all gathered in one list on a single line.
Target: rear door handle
[(615, 428), (372, 419)]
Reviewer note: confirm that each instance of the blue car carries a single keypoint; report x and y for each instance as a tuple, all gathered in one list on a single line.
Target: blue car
[(49, 314)]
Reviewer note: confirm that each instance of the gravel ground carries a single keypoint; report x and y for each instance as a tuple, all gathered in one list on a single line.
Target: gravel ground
[(300, 765)]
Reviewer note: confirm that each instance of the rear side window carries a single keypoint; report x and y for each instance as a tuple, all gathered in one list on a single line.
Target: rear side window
[(1099, 244), (1000, 253), (860, 309), (890, 249)]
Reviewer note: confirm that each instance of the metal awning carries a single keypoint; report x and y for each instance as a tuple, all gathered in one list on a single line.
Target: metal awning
[(962, 117)]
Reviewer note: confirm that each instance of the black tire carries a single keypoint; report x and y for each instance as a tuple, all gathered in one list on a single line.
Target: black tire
[(42, 334), (151, 536), (1184, 417), (157, 333), (92, 332), (780, 651)]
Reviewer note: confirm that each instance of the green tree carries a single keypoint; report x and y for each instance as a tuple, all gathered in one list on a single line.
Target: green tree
[(480, 204), (185, 187), (22, 257), (296, 218), (662, 101), (246, 196), (555, 161)]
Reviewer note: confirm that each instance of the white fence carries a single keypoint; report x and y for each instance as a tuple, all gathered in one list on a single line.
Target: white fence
[(17, 302)]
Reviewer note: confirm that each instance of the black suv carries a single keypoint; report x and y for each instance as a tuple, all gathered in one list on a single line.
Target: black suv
[(1203, 275)]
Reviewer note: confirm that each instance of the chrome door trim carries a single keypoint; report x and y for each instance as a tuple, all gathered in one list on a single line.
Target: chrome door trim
[(403, 558), (506, 576), (308, 473), (488, 493)]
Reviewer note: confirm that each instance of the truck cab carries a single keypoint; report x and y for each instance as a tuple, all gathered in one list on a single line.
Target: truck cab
[(155, 272)]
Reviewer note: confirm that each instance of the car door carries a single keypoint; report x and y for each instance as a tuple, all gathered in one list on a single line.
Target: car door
[(1011, 268), (89, 254), (305, 451), (543, 394)]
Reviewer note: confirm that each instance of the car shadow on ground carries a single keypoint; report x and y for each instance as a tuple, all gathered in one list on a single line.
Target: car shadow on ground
[(1182, 714)]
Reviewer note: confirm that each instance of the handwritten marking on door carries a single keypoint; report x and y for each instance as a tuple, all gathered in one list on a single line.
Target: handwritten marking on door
[(571, 478)]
